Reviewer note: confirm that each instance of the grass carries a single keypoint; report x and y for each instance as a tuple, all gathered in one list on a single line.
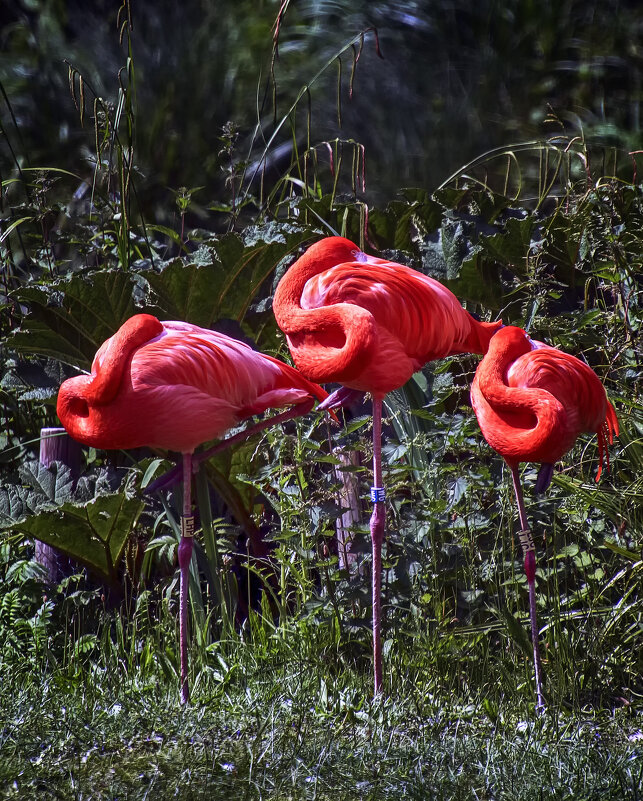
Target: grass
[(290, 723)]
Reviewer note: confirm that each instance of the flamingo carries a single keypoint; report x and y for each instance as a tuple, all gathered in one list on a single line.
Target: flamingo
[(369, 324), (532, 401), (173, 385)]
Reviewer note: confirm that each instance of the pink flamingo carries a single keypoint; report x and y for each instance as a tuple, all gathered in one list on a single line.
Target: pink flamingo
[(532, 401), (173, 385), (369, 324)]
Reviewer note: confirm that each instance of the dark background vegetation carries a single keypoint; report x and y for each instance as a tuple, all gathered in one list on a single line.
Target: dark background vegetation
[(456, 80)]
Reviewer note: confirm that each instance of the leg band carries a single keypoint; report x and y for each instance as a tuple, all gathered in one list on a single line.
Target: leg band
[(187, 526), (527, 541), (378, 494)]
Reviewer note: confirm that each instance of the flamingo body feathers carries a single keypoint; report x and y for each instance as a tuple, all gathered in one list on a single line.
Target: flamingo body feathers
[(532, 401), (366, 322), (173, 385)]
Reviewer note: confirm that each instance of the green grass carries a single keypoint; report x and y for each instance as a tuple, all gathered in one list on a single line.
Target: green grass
[(290, 722)]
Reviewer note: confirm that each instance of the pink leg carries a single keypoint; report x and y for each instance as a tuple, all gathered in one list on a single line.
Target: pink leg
[(378, 520), (529, 551), (185, 557), (174, 475), (289, 414)]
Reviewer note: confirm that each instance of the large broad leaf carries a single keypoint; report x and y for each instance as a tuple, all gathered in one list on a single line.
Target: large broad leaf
[(39, 487), (398, 226), (478, 281), (53, 482), (224, 276), (511, 247), (69, 320), (563, 236), (452, 258), (94, 533)]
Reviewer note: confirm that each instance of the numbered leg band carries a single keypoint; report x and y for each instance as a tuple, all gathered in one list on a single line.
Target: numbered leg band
[(187, 526), (527, 541), (378, 494)]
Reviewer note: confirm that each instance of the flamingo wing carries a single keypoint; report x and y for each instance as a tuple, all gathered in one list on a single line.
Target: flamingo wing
[(410, 318), (369, 323), (423, 316), (576, 386)]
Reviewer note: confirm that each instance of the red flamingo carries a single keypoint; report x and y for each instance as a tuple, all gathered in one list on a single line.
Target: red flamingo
[(173, 385), (369, 324), (532, 401)]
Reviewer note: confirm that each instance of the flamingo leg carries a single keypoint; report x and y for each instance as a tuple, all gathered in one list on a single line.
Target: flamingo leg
[(378, 519), (185, 557), (529, 552), (172, 476)]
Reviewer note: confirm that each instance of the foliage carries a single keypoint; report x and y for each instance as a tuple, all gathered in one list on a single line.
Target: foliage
[(456, 79), (546, 234)]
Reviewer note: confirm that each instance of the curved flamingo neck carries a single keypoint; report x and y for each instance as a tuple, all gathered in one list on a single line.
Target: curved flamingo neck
[(317, 259), (325, 342), (523, 424), (110, 363)]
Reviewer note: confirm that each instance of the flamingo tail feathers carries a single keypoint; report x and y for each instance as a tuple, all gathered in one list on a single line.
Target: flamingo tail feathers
[(480, 336), (605, 434)]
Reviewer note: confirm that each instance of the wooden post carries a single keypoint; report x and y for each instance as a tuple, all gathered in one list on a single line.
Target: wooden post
[(349, 500), (56, 446)]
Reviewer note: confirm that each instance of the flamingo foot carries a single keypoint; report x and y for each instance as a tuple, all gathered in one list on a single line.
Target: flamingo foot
[(341, 397)]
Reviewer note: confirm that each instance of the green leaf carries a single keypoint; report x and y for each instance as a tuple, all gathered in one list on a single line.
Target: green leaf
[(517, 632), (54, 482), (223, 277), (94, 533), (40, 487), (69, 320), (478, 281), (12, 505), (633, 556), (456, 247), (12, 226), (511, 247)]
